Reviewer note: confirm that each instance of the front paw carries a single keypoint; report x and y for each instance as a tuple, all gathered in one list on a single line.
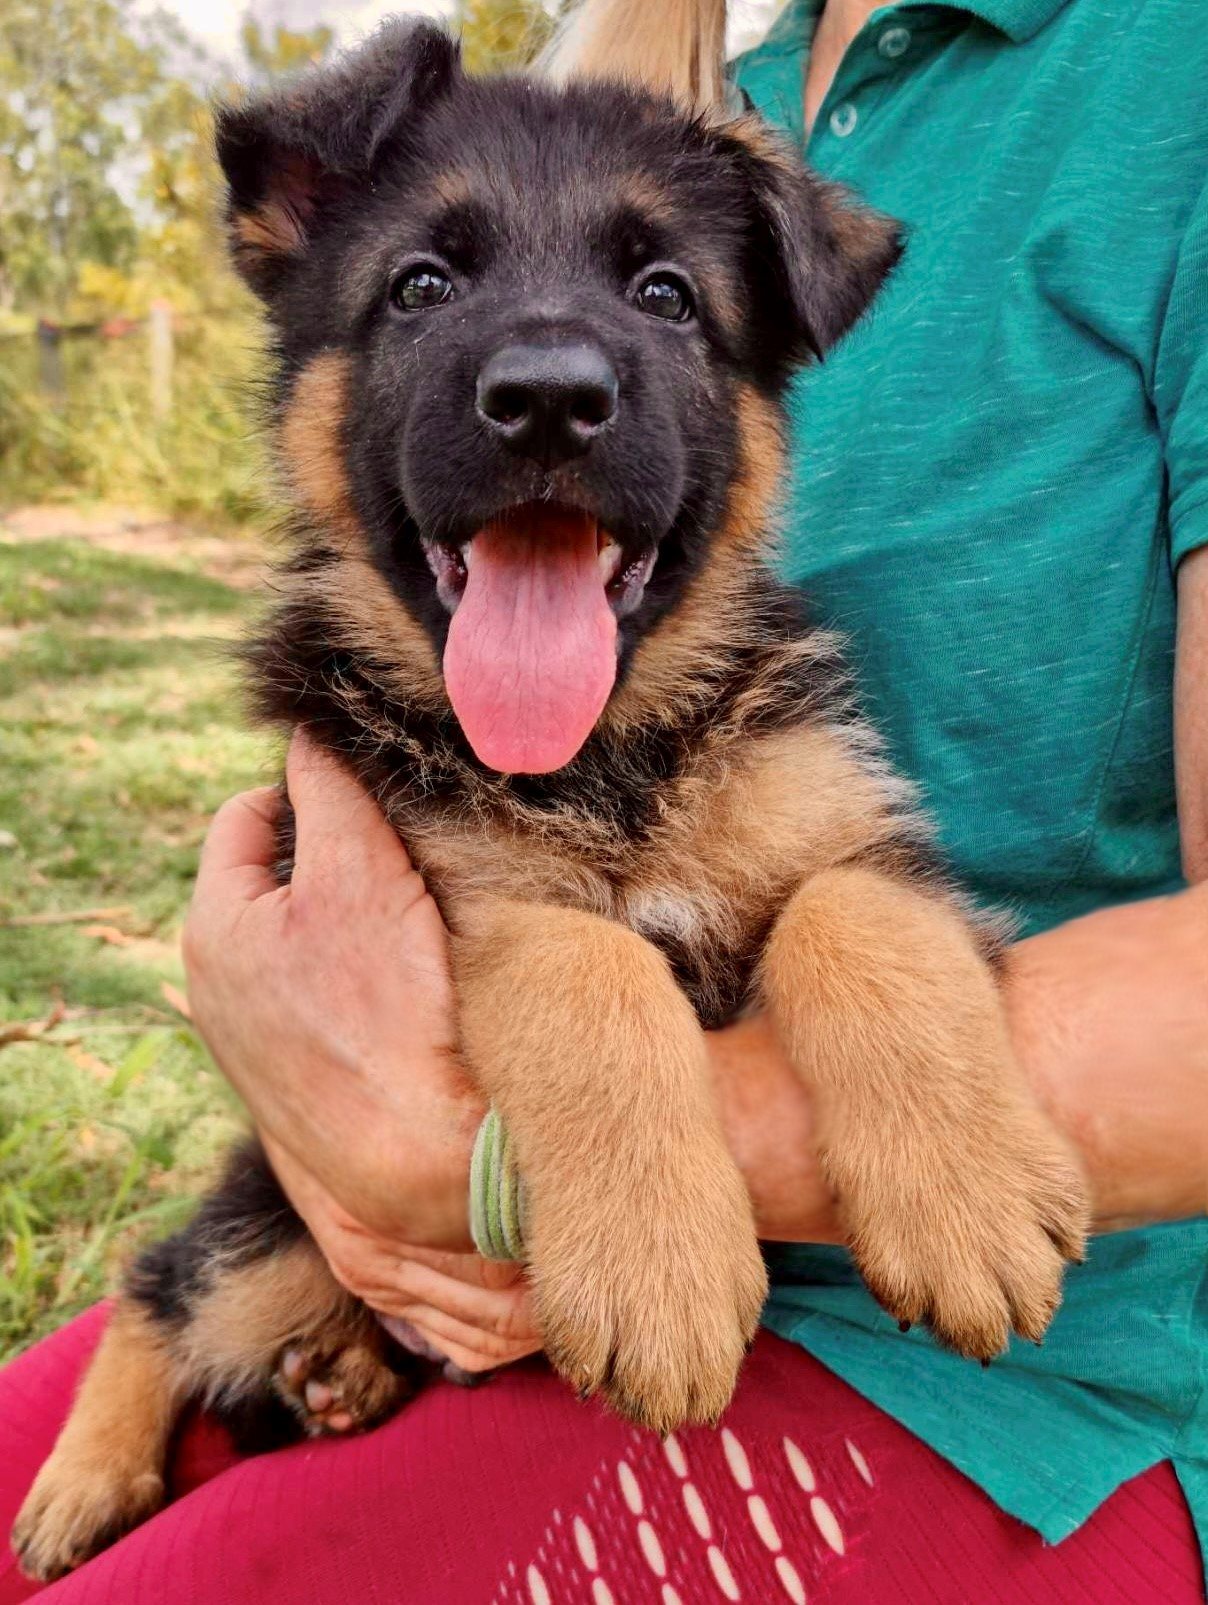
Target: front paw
[(964, 1230), (653, 1301), (76, 1508)]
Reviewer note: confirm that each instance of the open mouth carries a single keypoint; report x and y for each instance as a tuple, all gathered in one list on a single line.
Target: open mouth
[(531, 654), (624, 578)]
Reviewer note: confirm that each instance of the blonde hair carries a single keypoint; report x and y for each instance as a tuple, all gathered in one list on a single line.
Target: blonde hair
[(677, 46)]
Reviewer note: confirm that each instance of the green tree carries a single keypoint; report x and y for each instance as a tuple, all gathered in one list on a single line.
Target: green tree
[(72, 73), (285, 49)]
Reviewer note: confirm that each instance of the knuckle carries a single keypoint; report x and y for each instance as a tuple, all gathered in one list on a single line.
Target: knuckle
[(348, 1272), (494, 1346)]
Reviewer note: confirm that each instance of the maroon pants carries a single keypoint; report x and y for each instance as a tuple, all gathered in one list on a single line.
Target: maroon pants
[(517, 1494)]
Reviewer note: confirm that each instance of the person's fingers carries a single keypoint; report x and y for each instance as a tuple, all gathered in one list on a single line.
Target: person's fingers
[(240, 848), (469, 1267), (505, 1313), (465, 1345), (340, 831)]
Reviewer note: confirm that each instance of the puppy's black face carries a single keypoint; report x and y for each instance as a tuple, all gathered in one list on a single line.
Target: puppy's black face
[(549, 306)]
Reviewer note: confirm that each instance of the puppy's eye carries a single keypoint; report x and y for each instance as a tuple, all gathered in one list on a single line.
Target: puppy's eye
[(663, 295), (420, 288)]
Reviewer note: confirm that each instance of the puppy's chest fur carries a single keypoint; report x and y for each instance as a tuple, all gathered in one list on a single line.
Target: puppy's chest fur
[(690, 820), (723, 846)]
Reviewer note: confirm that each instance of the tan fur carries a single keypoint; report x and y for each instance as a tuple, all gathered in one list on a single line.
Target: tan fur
[(859, 232), (271, 230), (289, 1319), (645, 1266), (961, 1203), (290, 1305), (671, 665), (372, 619), (311, 442), (644, 194), (743, 831), (106, 1472), (452, 187), (738, 830), (959, 1200), (237, 1330)]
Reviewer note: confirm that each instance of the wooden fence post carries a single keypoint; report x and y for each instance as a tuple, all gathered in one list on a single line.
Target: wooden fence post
[(50, 363), (159, 329)]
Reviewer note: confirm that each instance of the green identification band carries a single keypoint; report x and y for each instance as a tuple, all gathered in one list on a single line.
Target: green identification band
[(496, 1194)]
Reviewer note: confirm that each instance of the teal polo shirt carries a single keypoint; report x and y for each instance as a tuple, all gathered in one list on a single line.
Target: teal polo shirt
[(995, 477)]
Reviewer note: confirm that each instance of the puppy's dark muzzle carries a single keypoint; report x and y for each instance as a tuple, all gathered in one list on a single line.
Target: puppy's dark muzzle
[(548, 402)]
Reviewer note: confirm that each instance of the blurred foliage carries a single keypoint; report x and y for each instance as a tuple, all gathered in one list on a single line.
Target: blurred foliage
[(122, 723), (203, 461), (122, 734), (72, 75), (285, 50), (504, 33), (108, 203)]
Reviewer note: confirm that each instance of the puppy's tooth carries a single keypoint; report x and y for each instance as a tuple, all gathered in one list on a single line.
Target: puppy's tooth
[(609, 561)]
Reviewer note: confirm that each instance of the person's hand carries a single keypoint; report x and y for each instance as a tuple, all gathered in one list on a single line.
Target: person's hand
[(328, 1005), (474, 1313)]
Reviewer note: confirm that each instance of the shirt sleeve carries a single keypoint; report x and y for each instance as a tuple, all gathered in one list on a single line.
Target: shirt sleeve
[(1181, 388)]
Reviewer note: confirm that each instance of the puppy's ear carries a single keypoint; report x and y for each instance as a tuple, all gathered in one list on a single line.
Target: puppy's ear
[(292, 155), (819, 254)]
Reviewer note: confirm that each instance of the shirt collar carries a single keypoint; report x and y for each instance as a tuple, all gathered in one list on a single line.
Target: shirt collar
[(1018, 19)]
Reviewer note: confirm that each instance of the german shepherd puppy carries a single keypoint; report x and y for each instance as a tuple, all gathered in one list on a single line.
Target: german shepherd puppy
[(532, 345)]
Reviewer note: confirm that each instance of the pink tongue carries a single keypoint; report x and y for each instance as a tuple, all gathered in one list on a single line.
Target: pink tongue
[(532, 650)]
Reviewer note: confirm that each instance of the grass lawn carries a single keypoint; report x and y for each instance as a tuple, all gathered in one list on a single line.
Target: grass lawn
[(120, 733)]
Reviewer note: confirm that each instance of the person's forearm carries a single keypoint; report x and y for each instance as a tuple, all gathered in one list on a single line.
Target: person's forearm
[(769, 1128), (1109, 1015)]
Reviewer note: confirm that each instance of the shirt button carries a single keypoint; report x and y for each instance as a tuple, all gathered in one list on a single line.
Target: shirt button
[(894, 42), (844, 119)]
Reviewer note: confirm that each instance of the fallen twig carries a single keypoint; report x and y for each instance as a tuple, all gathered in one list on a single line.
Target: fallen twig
[(66, 917), (31, 1030), (81, 916), (110, 934)]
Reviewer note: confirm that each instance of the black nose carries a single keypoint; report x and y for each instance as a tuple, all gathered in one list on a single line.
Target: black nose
[(548, 402)]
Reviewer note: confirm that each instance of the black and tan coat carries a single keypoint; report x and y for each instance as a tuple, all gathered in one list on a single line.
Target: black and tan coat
[(729, 836)]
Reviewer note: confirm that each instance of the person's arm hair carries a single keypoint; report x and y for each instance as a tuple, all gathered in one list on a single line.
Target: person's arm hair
[(1109, 1014)]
